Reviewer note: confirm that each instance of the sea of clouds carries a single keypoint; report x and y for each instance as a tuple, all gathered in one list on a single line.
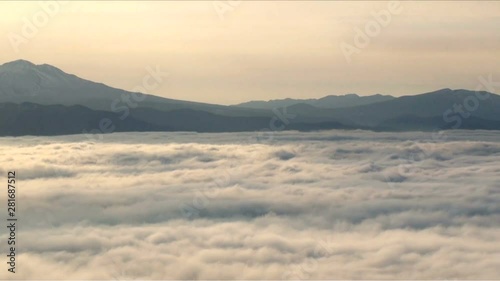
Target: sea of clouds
[(319, 205)]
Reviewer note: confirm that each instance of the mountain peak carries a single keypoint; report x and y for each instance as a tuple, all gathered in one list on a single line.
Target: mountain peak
[(444, 91), (19, 63), (448, 92), (23, 80), (23, 66), (350, 95)]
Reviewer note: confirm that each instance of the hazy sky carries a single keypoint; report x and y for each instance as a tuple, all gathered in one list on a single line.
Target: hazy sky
[(218, 53)]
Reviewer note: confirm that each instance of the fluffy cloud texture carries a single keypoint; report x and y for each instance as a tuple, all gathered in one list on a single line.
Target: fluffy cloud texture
[(329, 205)]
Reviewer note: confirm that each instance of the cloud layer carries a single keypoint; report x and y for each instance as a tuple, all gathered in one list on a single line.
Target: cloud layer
[(330, 205)]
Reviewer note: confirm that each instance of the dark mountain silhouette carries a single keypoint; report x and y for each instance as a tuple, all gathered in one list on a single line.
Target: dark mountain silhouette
[(23, 81), (41, 120), (330, 101), (44, 100), (443, 104)]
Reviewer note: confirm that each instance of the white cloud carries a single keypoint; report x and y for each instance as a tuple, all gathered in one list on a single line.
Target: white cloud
[(328, 205)]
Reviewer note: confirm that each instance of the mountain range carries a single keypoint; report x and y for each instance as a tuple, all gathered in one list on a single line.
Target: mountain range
[(330, 101), (44, 100)]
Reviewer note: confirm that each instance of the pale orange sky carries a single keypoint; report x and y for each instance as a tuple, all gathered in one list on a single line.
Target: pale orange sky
[(259, 50)]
